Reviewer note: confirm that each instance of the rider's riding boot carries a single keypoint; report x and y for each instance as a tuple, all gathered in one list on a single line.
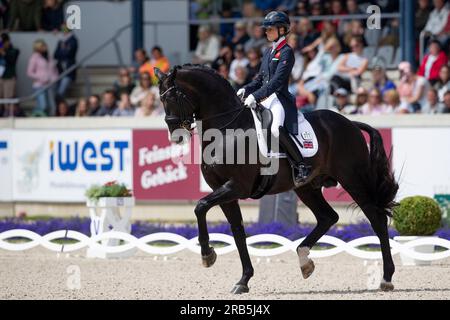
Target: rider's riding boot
[(301, 170)]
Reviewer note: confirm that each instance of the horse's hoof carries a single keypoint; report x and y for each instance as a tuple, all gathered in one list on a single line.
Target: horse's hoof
[(307, 269), (240, 288), (209, 260), (386, 286)]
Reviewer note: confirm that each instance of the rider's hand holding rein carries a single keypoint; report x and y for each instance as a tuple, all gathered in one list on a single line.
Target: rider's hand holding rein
[(241, 93), (250, 102)]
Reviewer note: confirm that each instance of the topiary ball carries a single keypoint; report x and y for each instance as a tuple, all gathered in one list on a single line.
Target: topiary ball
[(417, 216)]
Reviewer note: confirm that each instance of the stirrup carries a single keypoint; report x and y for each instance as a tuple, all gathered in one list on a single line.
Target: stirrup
[(301, 172)]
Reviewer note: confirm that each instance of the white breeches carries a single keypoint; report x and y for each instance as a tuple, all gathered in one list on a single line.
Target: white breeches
[(273, 104)]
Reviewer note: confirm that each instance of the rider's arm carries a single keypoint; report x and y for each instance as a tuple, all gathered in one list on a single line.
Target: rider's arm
[(255, 84), (281, 76)]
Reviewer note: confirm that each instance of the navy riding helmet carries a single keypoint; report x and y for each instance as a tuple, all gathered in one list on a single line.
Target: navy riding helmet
[(277, 19)]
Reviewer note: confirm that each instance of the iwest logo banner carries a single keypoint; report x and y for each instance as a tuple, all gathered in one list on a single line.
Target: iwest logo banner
[(59, 165)]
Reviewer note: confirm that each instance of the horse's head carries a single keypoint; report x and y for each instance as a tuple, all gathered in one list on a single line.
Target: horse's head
[(179, 110)]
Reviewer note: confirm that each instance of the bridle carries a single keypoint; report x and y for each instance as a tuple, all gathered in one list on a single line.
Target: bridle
[(188, 111)]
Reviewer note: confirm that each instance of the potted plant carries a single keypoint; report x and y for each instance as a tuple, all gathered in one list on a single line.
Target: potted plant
[(104, 203), (416, 217)]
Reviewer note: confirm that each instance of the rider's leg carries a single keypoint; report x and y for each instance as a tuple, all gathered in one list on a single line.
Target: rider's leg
[(282, 136)]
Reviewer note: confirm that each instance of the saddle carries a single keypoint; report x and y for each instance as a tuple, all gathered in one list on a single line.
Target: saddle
[(264, 182)]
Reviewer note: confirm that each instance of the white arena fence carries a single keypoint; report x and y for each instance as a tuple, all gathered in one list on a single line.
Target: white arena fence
[(181, 243)]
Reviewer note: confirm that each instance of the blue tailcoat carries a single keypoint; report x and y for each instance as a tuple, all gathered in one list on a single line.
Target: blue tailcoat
[(273, 77)]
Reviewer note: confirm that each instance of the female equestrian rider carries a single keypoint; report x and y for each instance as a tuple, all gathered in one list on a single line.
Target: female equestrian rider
[(270, 88)]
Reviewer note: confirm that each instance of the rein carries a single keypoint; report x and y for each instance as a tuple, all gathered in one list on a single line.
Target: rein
[(185, 119)]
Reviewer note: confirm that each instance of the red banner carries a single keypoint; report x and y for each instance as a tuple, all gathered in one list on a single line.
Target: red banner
[(158, 172)]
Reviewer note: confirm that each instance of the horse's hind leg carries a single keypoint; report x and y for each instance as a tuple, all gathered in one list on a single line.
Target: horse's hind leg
[(379, 222), (326, 217), (233, 213), (221, 195)]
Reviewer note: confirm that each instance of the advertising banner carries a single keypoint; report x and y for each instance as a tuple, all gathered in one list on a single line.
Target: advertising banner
[(59, 165), (159, 173), (5, 165)]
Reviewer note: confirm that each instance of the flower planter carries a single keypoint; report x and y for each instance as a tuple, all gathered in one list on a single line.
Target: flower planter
[(408, 261), (106, 216)]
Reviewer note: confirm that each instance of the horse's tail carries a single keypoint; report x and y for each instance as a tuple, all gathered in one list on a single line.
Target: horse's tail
[(383, 186)]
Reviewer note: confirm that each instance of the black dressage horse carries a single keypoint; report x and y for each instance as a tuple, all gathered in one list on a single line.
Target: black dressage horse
[(193, 93)]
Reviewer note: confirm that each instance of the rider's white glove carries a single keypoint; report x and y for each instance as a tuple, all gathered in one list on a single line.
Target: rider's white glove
[(241, 93), (250, 102)]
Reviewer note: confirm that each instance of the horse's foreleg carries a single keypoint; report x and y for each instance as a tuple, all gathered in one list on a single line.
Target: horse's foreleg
[(221, 195), (326, 217), (234, 216)]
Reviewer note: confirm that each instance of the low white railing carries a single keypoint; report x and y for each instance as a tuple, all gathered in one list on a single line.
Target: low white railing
[(285, 245)]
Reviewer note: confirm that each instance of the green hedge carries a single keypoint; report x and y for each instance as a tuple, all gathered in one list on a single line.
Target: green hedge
[(417, 216)]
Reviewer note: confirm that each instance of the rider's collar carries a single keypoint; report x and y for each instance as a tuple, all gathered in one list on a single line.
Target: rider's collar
[(276, 45)]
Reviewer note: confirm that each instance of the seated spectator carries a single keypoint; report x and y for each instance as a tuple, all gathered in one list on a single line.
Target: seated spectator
[(149, 107), (412, 88), (443, 84), (108, 105), (207, 48), (391, 99), (316, 10), (93, 105), (257, 40), (227, 28), (432, 62), (326, 65), (299, 64), (337, 10), (52, 15), (240, 60), (328, 31), (159, 61), (140, 58), (342, 104), (224, 71), (375, 105), (82, 108), (432, 105), (225, 56), (4, 11), (25, 15), (362, 97), (287, 5), (144, 87), (305, 33), (351, 67), (254, 63), (124, 84), (240, 34), (8, 57), (423, 11), (302, 9), (65, 55), (437, 19), (353, 29), (241, 77), (447, 102), (390, 34), (63, 109), (380, 79), (125, 108), (42, 71)]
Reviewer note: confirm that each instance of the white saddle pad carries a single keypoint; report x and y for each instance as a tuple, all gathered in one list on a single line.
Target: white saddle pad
[(306, 137)]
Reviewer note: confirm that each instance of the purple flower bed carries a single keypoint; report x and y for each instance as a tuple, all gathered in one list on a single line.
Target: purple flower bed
[(141, 228)]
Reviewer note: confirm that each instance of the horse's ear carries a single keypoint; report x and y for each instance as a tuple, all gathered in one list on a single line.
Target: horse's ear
[(159, 74), (172, 75)]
